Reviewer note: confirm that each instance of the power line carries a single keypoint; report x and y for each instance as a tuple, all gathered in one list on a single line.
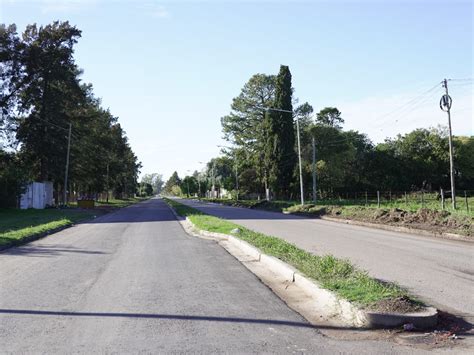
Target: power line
[(402, 108)]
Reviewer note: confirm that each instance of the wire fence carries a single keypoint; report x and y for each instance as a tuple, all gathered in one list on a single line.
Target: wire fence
[(441, 200)]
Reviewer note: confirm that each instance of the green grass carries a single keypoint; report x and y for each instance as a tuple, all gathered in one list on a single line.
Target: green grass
[(331, 273), (115, 203), (17, 225)]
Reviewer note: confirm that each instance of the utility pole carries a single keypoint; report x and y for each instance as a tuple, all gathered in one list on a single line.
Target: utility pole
[(67, 164), (107, 183), (236, 179), (213, 179), (313, 142), (445, 105), (299, 159)]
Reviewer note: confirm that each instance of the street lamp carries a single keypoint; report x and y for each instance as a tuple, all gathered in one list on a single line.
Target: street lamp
[(299, 145)]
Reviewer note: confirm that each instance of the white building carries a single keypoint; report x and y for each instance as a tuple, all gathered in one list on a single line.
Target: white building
[(37, 195)]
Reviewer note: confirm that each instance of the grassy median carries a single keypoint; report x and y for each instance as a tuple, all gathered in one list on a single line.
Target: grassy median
[(331, 273)]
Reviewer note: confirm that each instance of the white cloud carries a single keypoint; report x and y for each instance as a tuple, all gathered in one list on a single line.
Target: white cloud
[(160, 12), (155, 10), (382, 117)]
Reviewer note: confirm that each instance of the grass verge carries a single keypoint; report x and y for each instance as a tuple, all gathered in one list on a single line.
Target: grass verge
[(17, 226), (114, 203), (334, 274)]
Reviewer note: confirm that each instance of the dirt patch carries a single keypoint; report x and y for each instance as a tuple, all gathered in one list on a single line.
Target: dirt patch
[(395, 305), (425, 219), (440, 221)]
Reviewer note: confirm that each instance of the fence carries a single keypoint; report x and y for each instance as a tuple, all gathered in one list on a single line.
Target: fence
[(403, 199)]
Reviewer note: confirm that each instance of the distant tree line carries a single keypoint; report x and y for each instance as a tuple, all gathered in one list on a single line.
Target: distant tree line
[(263, 152), (151, 184), (41, 95)]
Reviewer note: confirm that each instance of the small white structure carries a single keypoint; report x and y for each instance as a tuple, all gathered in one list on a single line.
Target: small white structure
[(37, 195)]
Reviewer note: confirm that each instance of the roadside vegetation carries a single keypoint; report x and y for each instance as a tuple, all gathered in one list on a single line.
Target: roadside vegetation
[(43, 100), (114, 202), (20, 226), (411, 172), (331, 273), (17, 226), (429, 216)]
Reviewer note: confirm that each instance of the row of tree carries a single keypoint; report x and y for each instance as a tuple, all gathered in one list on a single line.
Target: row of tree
[(261, 128), (151, 184), (42, 97)]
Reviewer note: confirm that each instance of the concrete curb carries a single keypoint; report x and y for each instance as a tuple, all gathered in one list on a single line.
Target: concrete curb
[(245, 247), (278, 267), (329, 304)]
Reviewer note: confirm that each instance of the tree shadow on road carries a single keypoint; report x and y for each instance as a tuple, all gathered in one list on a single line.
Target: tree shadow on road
[(49, 251), (178, 317)]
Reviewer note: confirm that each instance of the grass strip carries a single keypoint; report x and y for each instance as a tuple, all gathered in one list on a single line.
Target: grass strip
[(18, 225), (334, 274), (115, 203)]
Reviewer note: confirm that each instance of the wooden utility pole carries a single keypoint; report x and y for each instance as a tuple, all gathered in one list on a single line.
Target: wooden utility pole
[(445, 105)]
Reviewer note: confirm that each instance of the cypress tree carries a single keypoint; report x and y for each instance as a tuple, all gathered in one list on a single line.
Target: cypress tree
[(280, 154)]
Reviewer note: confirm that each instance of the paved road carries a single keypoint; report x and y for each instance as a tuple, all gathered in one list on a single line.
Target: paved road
[(134, 282), (440, 271)]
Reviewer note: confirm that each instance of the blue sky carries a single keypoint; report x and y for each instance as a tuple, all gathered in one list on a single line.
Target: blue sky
[(169, 70)]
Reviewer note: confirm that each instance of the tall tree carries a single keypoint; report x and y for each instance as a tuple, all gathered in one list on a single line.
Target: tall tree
[(41, 94), (48, 94), (330, 116), (173, 183), (244, 126), (280, 155)]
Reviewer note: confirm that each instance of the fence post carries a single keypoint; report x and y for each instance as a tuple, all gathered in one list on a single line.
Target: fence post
[(366, 200), (390, 196), (422, 199), (378, 199), (442, 199), (467, 203), (406, 198)]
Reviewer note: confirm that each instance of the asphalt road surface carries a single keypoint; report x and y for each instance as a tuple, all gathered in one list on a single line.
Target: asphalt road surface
[(134, 281), (439, 271)]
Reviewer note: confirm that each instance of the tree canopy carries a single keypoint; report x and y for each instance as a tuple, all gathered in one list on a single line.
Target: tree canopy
[(41, 97)]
